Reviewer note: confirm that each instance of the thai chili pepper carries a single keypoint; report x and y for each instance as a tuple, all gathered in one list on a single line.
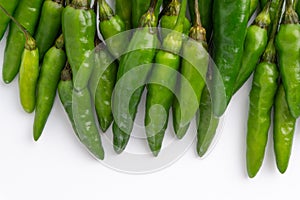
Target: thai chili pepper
[(102, 84), (163, 83), (283, 130), (262, 95), (123, 9), (53, 63), (255, 44), (49, 25), (111, 25), (205, 8), (194, 67), (169, 19), (230, 26), (10, 6), (207, 123), (65, 91), (288, 47), (27, 14), (132, 74), (139, 8), (79, 28)]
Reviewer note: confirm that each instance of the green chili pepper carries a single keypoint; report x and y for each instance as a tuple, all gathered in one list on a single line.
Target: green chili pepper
[(263, 3), (10, 6), (255, 44), (133, 70), (111, 25), (162, 84), (253, 6), (205, 9), (168, 20), (284, 127), (296, 5), (27, 14), (262, 95), (123, 9), (139, 7), (288, 47), (49, 25), (53, 63), (193, 69), (65, 91), (230, 26), (102, 84), (207, 123), (79, 28)]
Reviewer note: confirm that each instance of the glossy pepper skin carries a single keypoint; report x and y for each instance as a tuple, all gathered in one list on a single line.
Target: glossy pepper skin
[(49, 25), (112, 25), (288, 47), (139, 8), (102, 84), (10, 6), (205, 9), (169, 19), (29, 73), (230, 25), (162, 84), (27, 14), (255, 44), (53, 63), (283, 130), (194, 67), (65, 92), (79, 28), (133, 71), (124, 9), (253, 6)]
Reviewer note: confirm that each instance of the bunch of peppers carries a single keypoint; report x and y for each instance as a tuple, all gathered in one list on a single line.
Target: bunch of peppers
[(54, 45)]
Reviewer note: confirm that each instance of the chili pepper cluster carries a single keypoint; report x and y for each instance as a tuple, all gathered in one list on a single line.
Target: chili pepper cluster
[(50, 42)]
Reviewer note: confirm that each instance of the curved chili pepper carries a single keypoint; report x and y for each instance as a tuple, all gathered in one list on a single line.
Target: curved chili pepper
[(162, 84), (79, 28), (255, 44), (10, 6), (194, 67), (141, 52), (123, 9), (53, 63), (230, 25), (27, 14), (283, 130), (288, 47), (102, 84), (49, 25)]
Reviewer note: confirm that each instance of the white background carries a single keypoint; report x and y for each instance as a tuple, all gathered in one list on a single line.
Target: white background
[(58, 167)]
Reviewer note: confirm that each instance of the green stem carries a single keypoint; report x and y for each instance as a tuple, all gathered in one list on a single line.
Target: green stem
[(105, 11), (290, 16), (152, 5), (263, 18), (181, 17), (197, 14), (81, 4)]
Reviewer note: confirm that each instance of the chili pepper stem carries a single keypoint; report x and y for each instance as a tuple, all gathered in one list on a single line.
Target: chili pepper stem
[(197, 14)]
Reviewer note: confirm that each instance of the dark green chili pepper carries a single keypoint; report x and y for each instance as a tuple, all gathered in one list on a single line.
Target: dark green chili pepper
[(10, 6), (133, 70), (139, 8), (255, 44), (27, 14), (49, 25), (288, 47), (262, 95), (230, 20), (162, 84), (169, 18), (79, 28), (263, 3), (123, 9), (53, 63), (207, 123), (193, 69), (65, 91), (283, 129), (102, 84), (205, 9), (111, 25), (296, 5)]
